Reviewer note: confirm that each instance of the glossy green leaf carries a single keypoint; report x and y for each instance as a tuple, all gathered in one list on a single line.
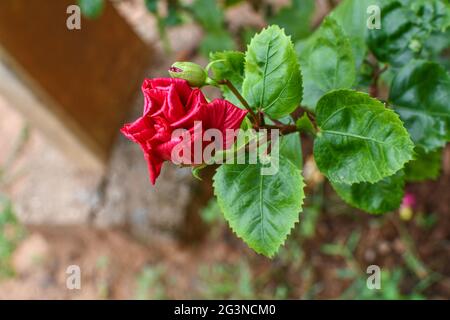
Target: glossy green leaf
[(272, 81), (91, 9), (359, 140), (435, 48), (433, 14), (304, 124), (291, 149), (380, 197), (352, 17), (426, 166), (261, 209), (228, 65), (327, 63), (420, 93), (406, 27)]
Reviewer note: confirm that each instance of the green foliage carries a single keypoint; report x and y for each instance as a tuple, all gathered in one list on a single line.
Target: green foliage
[(296, 18), (11, 232), (211, 213), (91, 9), (261, 209), (152, 5), (352, 17), (360, 145), (345, 250), (407, 26), (380, 197), (304, 124), (420, 93), (308, 220), (210, 16), (390, 290), (360, 140), (272, 74), (216, 41), (174, 16), (224, 281), (436, 45), (149, 284), (291, 149), (228, 65), (425, 166), (327, 62), (366, 149)]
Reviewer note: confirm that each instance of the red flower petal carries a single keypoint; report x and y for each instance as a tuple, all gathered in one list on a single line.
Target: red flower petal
[(173, 108), (160, 88), (139, 131), (154, 167), (194, 108), (223, 115), (171, 104)]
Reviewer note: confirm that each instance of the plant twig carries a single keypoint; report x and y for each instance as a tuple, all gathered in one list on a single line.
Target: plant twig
[(285, 129), (377, 72), (240, 98)]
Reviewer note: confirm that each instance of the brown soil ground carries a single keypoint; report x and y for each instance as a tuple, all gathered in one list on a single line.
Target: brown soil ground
[(112, 262)]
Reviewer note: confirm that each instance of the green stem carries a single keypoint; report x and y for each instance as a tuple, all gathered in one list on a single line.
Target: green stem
[(241, 99)]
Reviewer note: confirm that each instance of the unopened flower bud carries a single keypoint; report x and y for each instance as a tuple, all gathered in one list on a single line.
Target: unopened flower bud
[(194, 74), (406, 208)]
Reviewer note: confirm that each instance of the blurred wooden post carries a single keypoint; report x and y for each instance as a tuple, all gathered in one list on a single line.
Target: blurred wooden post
[(74, 85)]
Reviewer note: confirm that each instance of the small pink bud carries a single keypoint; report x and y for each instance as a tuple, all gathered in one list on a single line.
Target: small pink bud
[(406, 208), (409, 200)]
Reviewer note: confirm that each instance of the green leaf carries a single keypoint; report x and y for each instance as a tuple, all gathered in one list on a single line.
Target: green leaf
[(91, 9), (304, 124), (426, 166), (435, 46), (196, 171), (433, 14), (406, 27), (420, 93), (381, 197), (228, 65), (327, 63), (295, 19), (359, 139), (272, 81), (216, 41), (262, 210), (291, 149), (352, 17), (208, 14), (392, 42)]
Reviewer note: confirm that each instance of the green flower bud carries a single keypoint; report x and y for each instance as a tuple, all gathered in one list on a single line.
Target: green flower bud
[(415, 45), (194, 74)]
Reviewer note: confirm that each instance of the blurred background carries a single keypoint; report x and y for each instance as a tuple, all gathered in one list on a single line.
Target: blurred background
[(74, 192)]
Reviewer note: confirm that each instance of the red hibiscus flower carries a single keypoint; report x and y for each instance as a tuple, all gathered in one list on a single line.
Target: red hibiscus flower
[(171, 104)]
